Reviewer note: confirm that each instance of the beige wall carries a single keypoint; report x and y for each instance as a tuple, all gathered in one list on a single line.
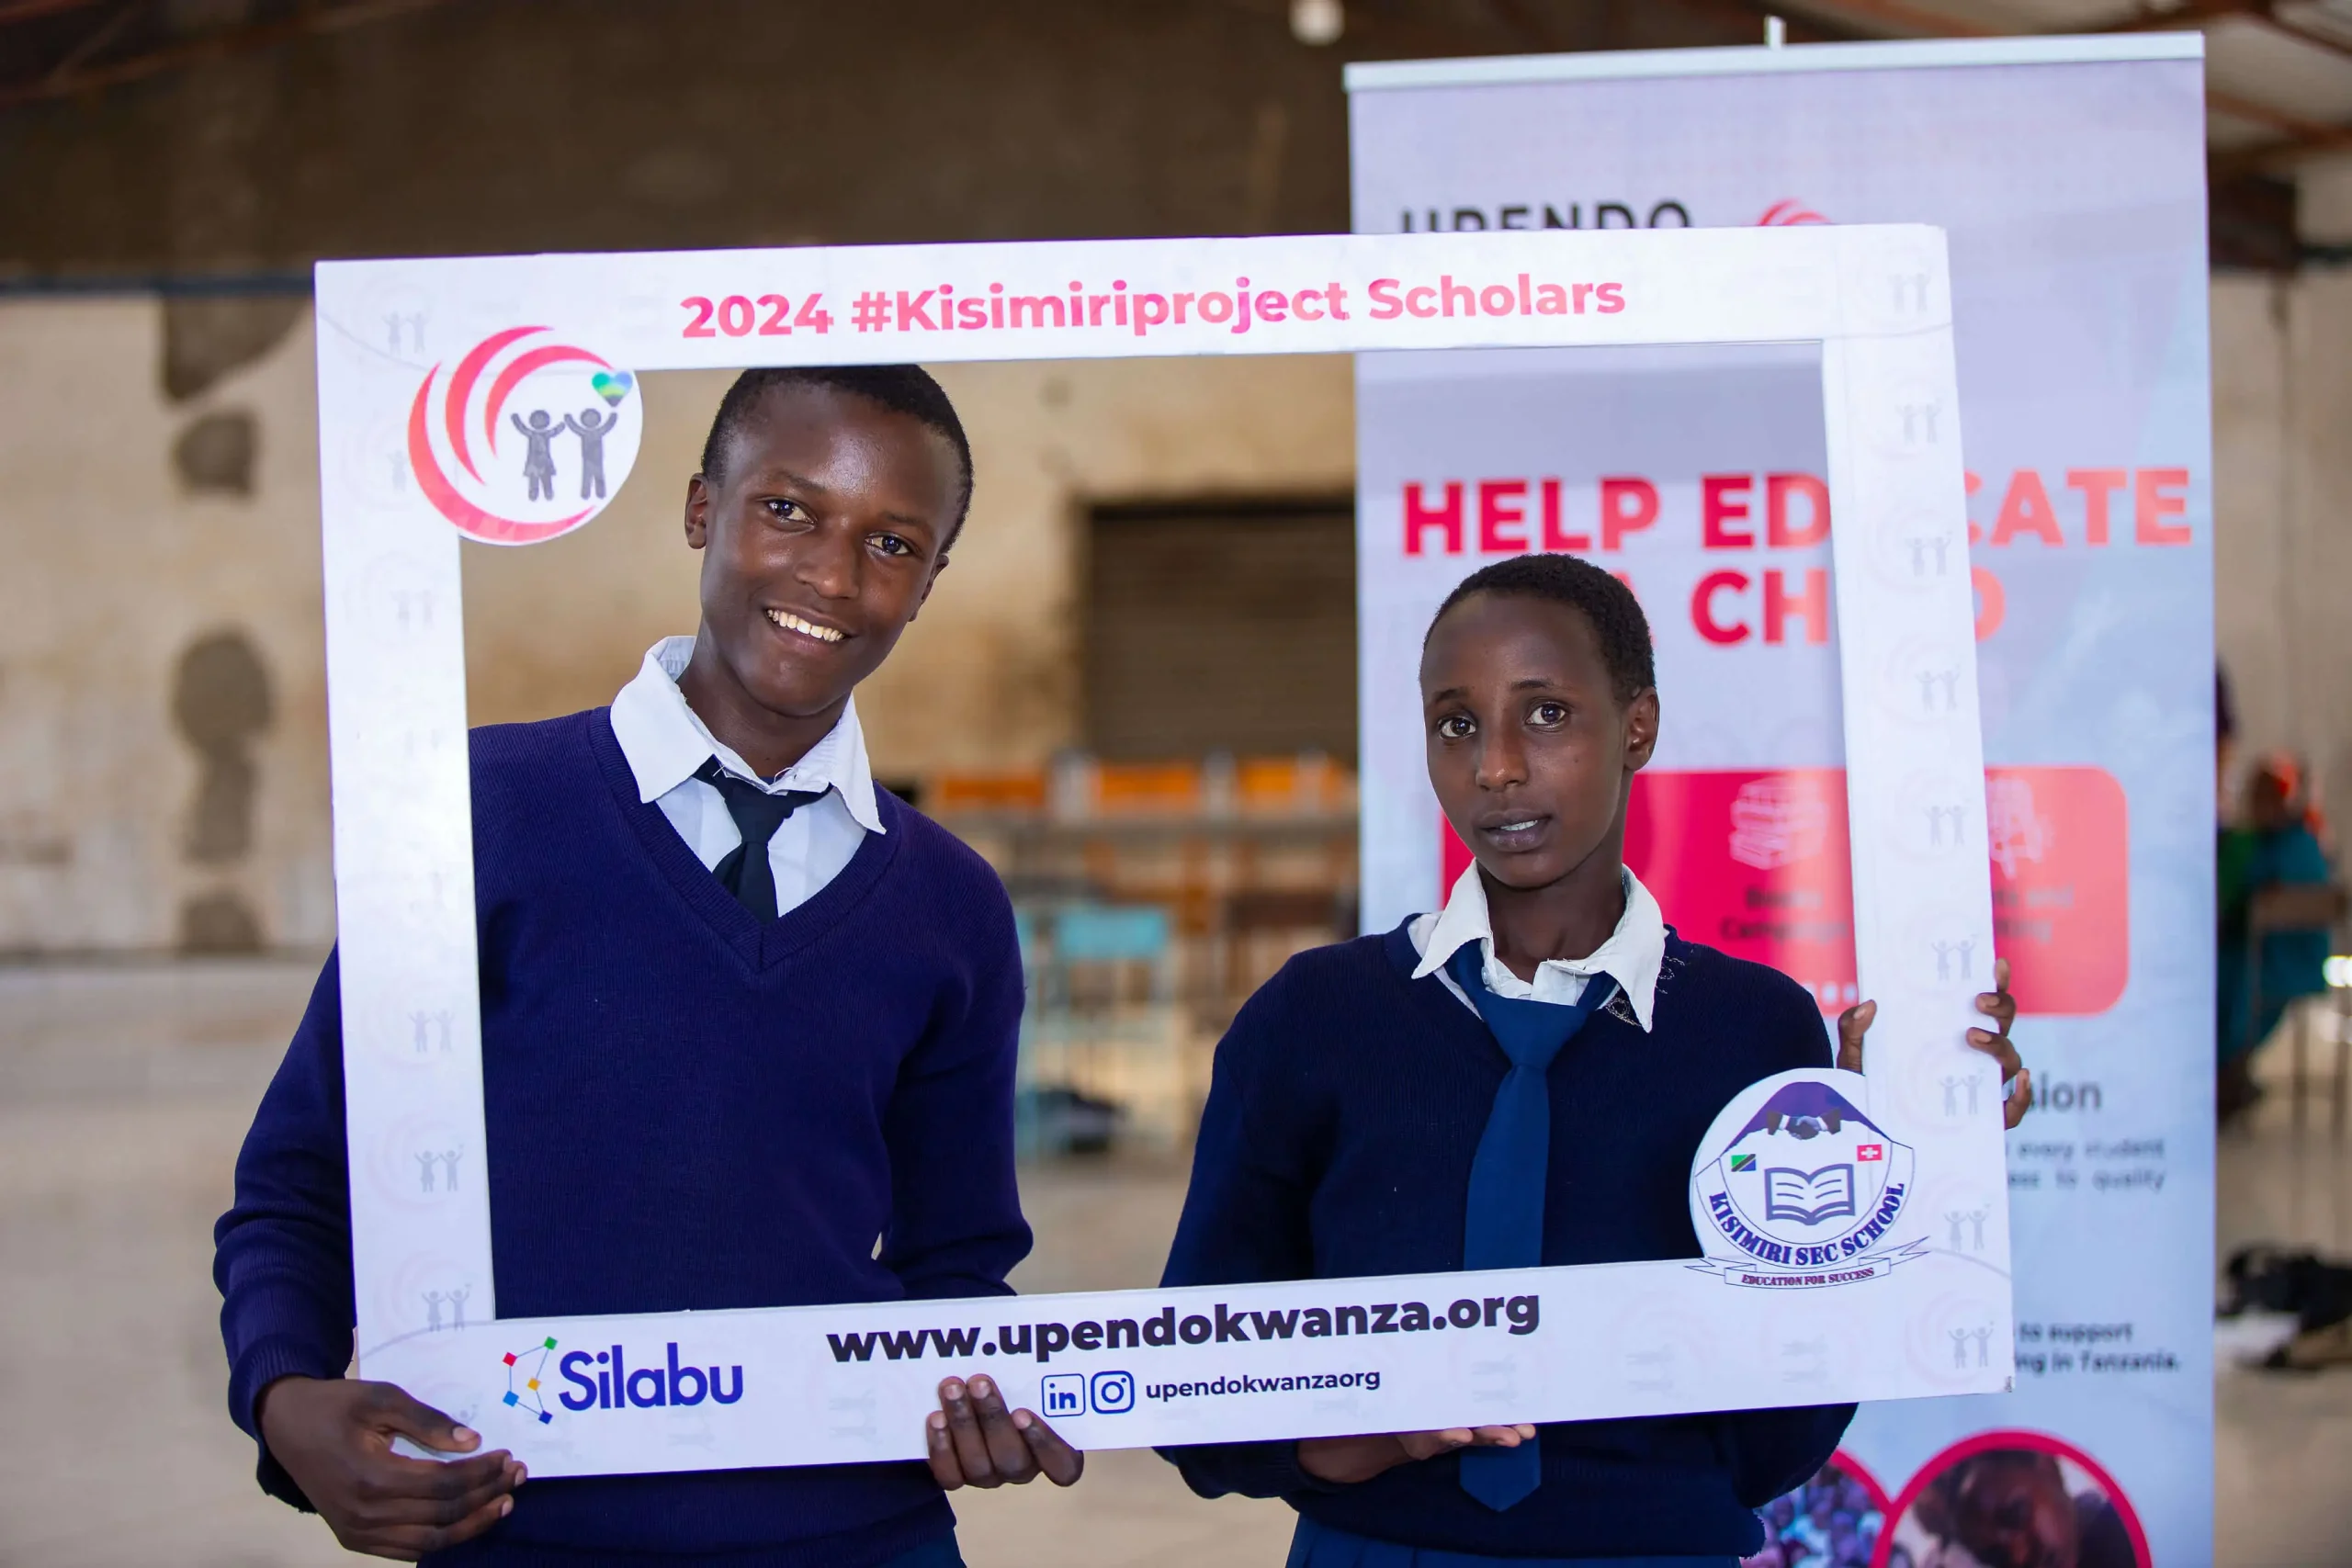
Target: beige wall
[(2282, 408), (114, 568)]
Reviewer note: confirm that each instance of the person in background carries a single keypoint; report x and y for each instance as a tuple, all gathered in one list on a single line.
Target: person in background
[(2275, 843), (2226, 741)]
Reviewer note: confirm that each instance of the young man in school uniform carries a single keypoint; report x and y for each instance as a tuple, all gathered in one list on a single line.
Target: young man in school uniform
[(1521, 1078), (742, 1013)]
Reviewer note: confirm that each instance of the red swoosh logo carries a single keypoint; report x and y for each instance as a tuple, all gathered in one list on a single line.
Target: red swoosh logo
[(461, 387), (472, 520)]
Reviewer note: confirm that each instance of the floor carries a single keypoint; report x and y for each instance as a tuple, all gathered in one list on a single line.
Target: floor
[(124, 1090)]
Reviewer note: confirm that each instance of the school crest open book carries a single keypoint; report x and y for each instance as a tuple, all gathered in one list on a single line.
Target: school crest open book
[(1796, 1185)]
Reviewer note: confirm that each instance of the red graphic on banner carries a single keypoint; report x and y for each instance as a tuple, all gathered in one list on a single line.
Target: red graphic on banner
[(2022, 1494), (1759, 864)]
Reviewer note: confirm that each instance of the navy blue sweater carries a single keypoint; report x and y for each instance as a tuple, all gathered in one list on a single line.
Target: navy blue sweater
[(1347, 1102), (687, 1108)]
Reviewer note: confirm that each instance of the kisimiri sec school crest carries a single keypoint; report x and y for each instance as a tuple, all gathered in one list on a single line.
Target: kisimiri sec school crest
[(1797, 1186)]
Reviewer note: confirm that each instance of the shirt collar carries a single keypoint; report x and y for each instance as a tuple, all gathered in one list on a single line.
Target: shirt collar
[(665, 740), (1632, 956)]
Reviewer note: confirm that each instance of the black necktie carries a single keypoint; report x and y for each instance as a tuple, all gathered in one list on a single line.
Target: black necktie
[(745, 871)]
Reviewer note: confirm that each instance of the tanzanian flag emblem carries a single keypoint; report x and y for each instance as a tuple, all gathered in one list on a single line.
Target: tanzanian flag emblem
[(1743, 1162)]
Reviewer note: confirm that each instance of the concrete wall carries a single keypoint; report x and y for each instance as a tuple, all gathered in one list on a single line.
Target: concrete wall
[(162, 712), (525, 125), (162, 767)]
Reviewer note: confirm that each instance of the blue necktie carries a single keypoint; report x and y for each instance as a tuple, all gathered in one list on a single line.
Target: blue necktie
[(1504, 1226)]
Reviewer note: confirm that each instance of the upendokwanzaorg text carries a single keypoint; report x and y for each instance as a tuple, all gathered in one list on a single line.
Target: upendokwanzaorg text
[(1220, 1325)]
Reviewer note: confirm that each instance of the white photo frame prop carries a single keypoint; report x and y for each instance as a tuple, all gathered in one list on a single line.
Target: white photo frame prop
[(1828, 1287)]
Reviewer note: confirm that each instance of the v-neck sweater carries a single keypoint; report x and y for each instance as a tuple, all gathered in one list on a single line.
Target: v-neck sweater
[(687, 1108), (1345, 1106)]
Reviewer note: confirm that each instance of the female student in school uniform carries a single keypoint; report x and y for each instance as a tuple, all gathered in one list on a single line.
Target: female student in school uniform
[(1346, 1127), (742, 1013)]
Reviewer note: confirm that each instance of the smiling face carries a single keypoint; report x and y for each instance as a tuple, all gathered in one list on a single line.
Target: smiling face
[(1530, 750), (821, 535)]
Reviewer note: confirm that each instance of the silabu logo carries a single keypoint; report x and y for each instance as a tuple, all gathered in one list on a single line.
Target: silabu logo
[(527, 1374), (1794, 1185), (525, 437), (611, 1380)]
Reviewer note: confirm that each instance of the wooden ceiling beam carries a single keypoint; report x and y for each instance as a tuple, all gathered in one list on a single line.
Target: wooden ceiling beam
[(31, 10)]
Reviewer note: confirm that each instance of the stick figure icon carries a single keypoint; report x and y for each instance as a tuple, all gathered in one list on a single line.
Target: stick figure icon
[(425, 1160), (451, 1157), (433, 1300), (457, 1294), (1960, 1349), (1951, 1097), (1953, 1219), (591, 432), (1977, 1218), (1983, 1338), (1971, 1082), (538, 455)]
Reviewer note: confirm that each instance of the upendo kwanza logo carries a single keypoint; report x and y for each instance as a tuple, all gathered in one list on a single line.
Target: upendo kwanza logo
[(526, 438), (605, 1380)]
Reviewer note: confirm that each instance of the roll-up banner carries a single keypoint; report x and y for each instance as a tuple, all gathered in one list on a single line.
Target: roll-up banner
[(2069, 173)]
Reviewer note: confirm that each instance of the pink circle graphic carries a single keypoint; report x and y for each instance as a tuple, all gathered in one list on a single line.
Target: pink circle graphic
[(2014, 1441), (456, 419), (1787, 213)]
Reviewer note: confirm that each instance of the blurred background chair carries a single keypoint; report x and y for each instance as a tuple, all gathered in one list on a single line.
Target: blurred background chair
[(1102, 1039), (2291, 913)]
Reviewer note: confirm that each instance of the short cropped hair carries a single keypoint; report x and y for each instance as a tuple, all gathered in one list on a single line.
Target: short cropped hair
[(1623, 631), (902, 388)]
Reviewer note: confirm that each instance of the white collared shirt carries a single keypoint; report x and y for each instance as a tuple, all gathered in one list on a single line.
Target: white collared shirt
[(665, 740), (1632, 956)]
